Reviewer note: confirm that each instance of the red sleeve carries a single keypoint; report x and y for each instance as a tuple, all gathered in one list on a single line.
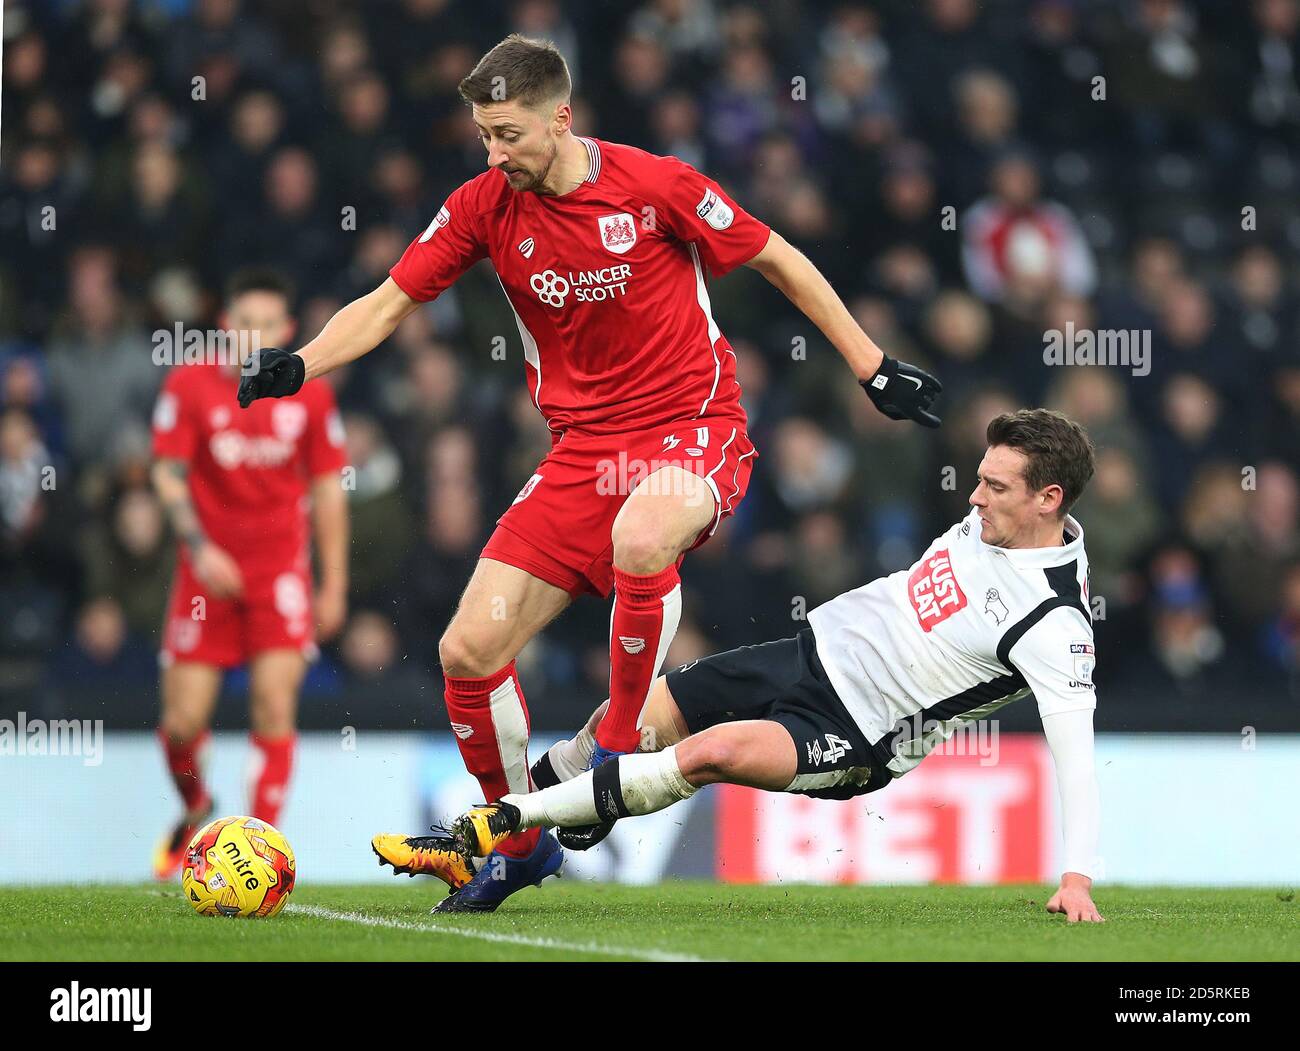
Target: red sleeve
[(450, 245), (324, 450), (174, 434), (697, 210)]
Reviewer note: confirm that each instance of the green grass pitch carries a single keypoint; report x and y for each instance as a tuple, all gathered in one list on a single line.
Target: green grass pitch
[(569, 920)]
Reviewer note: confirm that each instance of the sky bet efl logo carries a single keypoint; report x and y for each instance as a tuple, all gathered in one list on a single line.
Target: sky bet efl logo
[(934, 591)]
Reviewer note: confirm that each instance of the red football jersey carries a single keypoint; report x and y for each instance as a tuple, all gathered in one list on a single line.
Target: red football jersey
[(249, 468), (607, 284)]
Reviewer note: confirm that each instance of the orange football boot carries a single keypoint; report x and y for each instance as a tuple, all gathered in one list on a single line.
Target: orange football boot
[(423, 856), (169, 854)]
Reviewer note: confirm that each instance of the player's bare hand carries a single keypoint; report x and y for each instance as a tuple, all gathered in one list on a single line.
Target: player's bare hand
[(903, 392), (331, 611), (1074, 900), (217, 571), (273, 373)]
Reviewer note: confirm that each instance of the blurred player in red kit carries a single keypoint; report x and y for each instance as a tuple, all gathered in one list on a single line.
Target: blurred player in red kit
[(602, 251), (236, 487)]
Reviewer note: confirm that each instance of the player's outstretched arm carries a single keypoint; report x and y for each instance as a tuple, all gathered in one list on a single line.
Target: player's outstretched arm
[(1069, 736), (899, 390), (356, 329)]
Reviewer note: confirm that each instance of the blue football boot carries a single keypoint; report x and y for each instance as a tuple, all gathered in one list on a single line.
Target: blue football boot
[(502, 876)]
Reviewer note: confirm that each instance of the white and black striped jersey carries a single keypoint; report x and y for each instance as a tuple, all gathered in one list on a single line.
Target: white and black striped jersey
[(969, 628)]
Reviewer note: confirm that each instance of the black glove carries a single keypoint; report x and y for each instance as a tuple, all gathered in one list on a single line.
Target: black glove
[(903, 392), (275, 374)]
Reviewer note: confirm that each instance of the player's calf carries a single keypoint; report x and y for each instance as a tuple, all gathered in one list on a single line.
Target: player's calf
[(626, 786)]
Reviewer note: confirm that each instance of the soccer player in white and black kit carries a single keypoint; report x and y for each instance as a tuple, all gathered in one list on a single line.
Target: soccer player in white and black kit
[(995, 609)]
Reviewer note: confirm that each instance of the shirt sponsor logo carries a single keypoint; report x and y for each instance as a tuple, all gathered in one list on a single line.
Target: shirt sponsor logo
[(714, 211), (437, 223), (231, 450), (586, 286), (550, 287), (617, 232), (933, 590)]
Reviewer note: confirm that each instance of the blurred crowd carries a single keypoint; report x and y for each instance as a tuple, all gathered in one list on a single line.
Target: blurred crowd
[(970, 175)]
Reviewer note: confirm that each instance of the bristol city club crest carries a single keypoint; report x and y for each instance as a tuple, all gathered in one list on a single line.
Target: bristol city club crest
[(617, 232), (288, 420)]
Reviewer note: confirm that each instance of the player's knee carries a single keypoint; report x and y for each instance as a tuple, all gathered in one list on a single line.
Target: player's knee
[(639, 547), (468, 655), (182, 727), (273, 717), (707, 758), (272, 712)]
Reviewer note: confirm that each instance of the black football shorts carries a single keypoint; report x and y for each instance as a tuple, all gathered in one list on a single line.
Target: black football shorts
[(783, 682)]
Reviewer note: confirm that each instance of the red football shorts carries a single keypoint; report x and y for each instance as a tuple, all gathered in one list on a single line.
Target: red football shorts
[(559, 527), (274, 613)]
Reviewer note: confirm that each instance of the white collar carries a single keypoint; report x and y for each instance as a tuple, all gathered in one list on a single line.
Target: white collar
[(1038, 557)]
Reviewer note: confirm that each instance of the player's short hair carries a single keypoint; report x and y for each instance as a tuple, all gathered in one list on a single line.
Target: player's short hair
[(259, 279), (519, 69), (1058, 450)]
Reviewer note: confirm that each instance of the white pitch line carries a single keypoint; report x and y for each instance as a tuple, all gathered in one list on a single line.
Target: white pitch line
[(652, 955)]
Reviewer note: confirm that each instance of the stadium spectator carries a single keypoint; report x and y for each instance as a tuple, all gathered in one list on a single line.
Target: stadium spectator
[(129, 560), (1016, 244), (101, 372), (382, 527)]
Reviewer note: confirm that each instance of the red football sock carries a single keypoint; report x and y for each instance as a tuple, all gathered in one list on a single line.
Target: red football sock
[(646, 611), (185, 761), (490, 720), (271, 771)]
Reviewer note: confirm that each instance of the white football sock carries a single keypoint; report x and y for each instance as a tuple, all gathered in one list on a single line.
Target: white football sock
[(626, 786), (570, 758)]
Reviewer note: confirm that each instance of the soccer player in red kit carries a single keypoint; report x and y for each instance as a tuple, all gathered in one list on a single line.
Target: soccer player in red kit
[(602, 251), (236, 487)]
